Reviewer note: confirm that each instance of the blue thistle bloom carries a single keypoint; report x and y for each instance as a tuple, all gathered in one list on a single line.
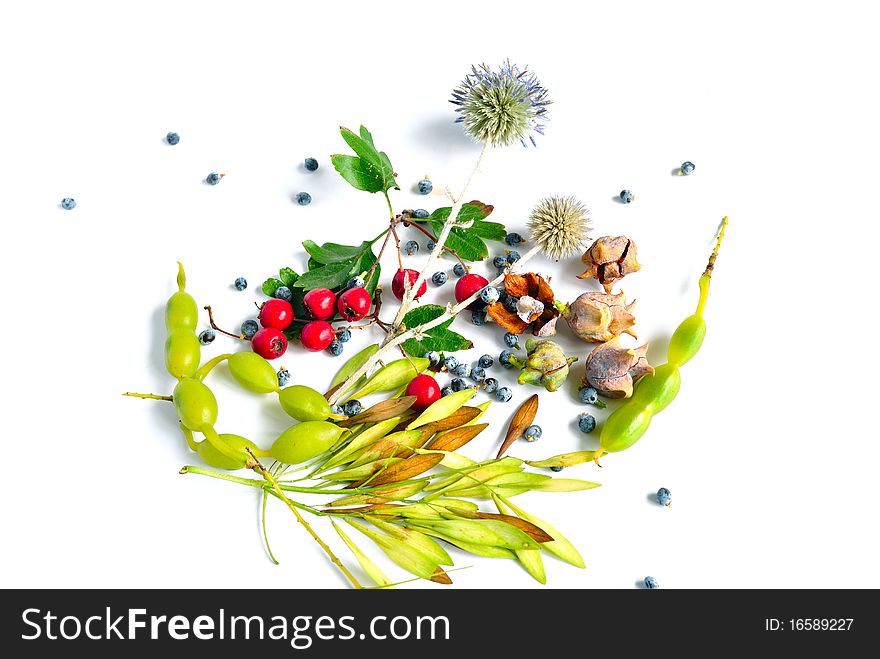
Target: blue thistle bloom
[(501, 107)]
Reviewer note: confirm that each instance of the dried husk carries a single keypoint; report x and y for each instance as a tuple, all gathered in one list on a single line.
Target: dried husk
[(599, 317), (609, 259), (612, 370)]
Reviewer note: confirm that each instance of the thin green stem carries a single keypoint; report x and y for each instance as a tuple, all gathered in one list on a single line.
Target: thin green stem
[(209, 365), (388, 201), (150, 396)]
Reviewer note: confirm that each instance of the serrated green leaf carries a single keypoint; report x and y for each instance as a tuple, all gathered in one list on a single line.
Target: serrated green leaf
[(271, 285), (331, 276), (333, 252), (468, 242), (468, 213), (437, 339), (370, 170), (288, 276), (358, 173), (369, 567)]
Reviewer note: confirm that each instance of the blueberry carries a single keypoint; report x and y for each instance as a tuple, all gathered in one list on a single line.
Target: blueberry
[(461, 370), (439, 278), (499, 262), (352, 407), (213, 178), (420, 213), (478, 317), (335, 348), (249, 328), (240, 284), (687, 168), (651, 583), (432, 357), (283, 377), (355, 282), (336, 409), (283, 293), (586, 422), (458, 384), (505, 357), (486, 361), (430, 245), (532, 433), (510, 303), (425, 186), (450, 363), (458, 269), (626, 196), (172, 138), (207, 337), (664, 496), (503, 395), (588, 395), (445, 391), (68, 204), (513, 257), (412, 247), (556, 469), (303, 198), (490, 385), (478, 374), (344, 336), (310, 164), (489, 294), (511, 340), (513, 239)]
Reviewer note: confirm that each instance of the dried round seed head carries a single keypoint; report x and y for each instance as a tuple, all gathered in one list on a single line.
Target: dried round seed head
[(560, 226)]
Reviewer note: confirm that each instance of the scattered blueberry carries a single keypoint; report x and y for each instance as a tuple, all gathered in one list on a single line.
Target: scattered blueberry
[(586, 422), (335, 348), (511, 340), (499, 262), (352, 407), (513, 257), (412, 247), (490, 385), (344, 336), (510, 303), (445, 391), (432, 357), (213, 178), (439, 278), (425, 186), (310, 164), (664, 496), (478, 374), (461, 370), (651, 583), (489, 294), (556, 469), (420, 213), (240, 284), (458, 269), (283, 293), (249, 328), (486, 361), (172, 138), (687, 168), (478, 317), (626, 196), (458, 384), (504, 394), (513, 239), (505, 359), (336, 409), (207, 337), (430, 245), (588, 395), (303, 198), (355, 282), (450, 363), (532, 433), (68, 204), (283, 377)]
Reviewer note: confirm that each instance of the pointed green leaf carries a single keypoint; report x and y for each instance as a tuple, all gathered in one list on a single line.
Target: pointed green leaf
[(288, 277), (560, 545), (564, 485), (271, 285), (488, 551), (332, 275), (529, 558), (371, 169), (392, 376), (405, 555), (353, 364), (334, 253), (368, 566), (442, 408), (418, 540), (358, 442), (436, 339), (364, 471), (358, 173)]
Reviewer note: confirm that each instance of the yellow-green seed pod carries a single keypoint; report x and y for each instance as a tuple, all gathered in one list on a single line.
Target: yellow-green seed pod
[(195, 404), (305, 441), (182, 353), (656, 390), (181, 311), (686, 340), (214, 458), (253, 372), (304, 403), (624, 427)]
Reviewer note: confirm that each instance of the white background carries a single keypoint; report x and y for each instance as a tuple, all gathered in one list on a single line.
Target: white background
[(771, 447)]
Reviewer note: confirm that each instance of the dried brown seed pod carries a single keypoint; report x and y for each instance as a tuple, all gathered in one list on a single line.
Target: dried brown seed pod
[(609, 259), (599, 317), (612, 370)]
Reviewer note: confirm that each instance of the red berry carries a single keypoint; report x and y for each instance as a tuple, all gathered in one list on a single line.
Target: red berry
[(467, 286), (277, 314), (317, 335), (410, 277), (269, 343), (320, 303), (425, 389), (354, 304)]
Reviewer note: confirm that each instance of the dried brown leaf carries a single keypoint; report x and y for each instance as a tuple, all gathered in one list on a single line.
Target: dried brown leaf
[(454, 439), (520, 421), (516, 285), (458, 418), (406, 469), (506, 319), (440, 576), (381, 411)]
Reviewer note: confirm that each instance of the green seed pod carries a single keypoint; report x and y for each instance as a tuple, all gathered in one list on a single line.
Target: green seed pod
[(253, 372), (545, 365), (181, 311), (655, 391), (214, 458), (304, 403), (195, 404), (305, 441), (182, 353), (624, 427), (686, 340)]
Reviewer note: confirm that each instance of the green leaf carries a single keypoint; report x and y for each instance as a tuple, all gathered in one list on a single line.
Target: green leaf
[(288, 276), (271, 285), (438, 339), (369, 567), (331, 276), (468, 243), (354, 363), (371, 169), (333, 253), (357, 173)]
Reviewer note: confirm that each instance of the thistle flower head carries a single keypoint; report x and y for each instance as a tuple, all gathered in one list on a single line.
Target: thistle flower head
[(501, 107), (560, 226)]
